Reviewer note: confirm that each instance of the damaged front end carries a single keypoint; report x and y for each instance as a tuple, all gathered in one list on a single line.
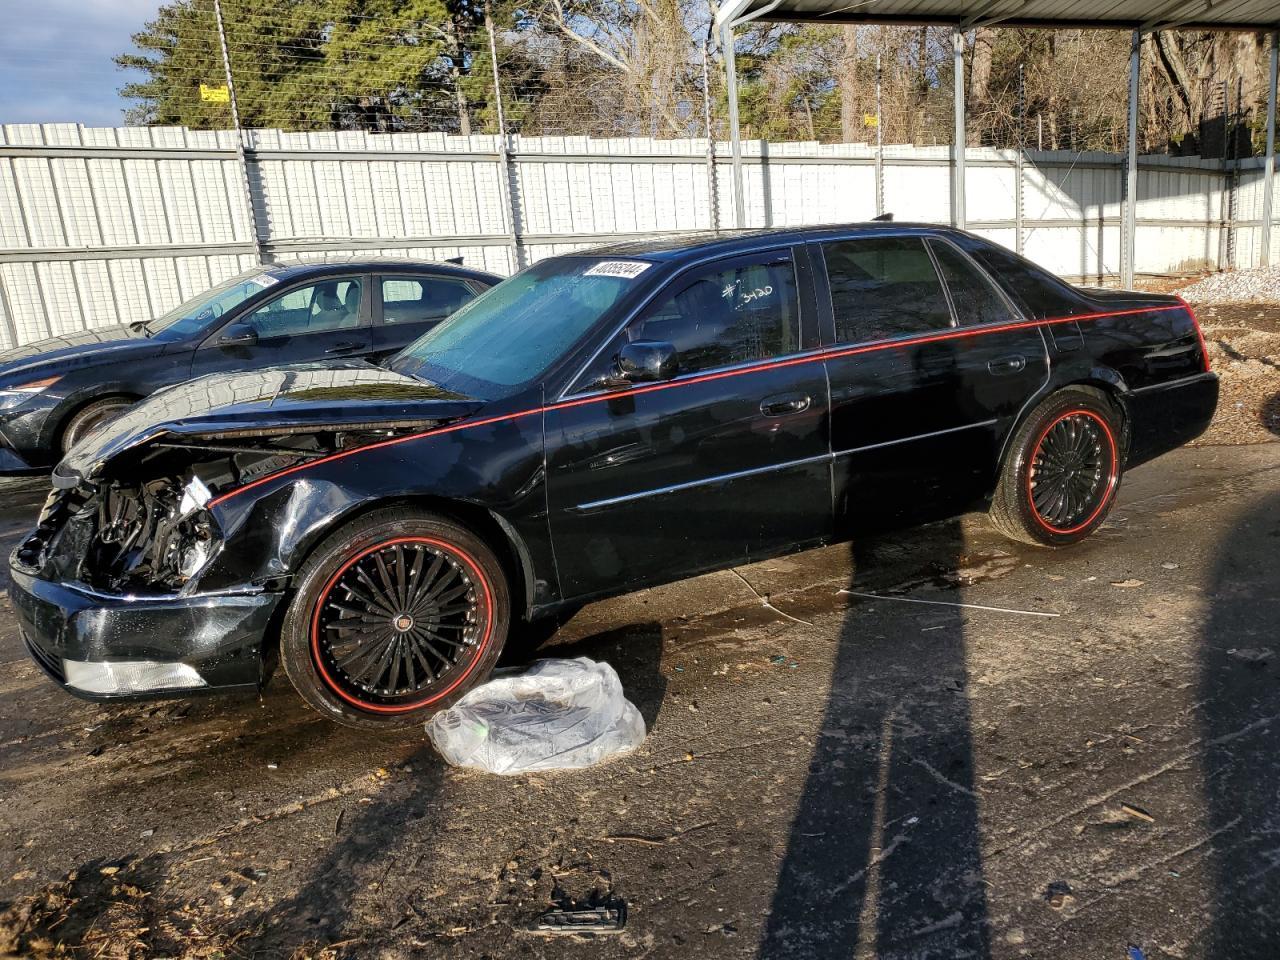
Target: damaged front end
[(107, 589), (130, 587), (141, 524)]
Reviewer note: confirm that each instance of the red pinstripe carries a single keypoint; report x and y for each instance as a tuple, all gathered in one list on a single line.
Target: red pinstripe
[(831, 353)]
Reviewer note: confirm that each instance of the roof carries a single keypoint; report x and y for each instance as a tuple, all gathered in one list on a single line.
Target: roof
[(1115, 14), (293, 269), (678, 246)]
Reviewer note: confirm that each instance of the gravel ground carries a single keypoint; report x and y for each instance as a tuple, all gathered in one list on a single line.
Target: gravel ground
[(1258, 285)]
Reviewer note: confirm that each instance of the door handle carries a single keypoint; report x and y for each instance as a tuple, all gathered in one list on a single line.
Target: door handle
[(345, 347), (785, 403), (1015, 363)]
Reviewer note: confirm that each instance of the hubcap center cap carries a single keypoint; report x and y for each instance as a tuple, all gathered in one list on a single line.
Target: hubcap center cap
[(403, 623)]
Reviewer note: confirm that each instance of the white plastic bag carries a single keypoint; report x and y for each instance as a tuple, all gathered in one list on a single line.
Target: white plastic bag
[(556, 715)]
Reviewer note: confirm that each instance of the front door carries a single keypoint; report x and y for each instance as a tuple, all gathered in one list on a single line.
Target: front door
[(727, 462), (929, 369), (325, 320)]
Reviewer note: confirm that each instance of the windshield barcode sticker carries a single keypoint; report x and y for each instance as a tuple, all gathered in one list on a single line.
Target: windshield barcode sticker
[(264, 280), (626, 269)]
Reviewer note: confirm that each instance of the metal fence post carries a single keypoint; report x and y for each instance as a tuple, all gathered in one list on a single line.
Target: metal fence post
[(879, 142), (713, 191), (258, 241), (506, 188), (1269, 169), (959, 137), (1130, 228), (1017, 193), (735, 136)]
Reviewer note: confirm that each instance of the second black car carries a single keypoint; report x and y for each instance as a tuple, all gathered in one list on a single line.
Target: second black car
[(55, 391)]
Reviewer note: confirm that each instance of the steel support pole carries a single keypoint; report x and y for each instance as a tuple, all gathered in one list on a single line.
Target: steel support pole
[(235, 122), (713, 190), (735, 138), (879, 142), (1270, 167), (1130, 218), (959, 140), (506, 187)]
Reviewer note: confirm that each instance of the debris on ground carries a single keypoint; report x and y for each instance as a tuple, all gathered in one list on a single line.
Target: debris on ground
[(609, 917), (1137, 813), (556, 715), (1244, 350)]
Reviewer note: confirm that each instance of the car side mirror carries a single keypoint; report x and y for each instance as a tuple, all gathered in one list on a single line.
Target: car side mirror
[(238, 335), (643, 361)]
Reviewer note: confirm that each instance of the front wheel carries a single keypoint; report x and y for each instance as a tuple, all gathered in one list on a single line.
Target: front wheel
[(89, 418), (1063, 469), (396, 616)]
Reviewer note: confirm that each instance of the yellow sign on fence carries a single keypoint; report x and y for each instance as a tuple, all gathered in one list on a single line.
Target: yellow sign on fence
[(870, 120), (217, 94)]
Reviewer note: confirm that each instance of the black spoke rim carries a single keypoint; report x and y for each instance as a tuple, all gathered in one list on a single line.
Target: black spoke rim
[(1072, 471), (399, 622)]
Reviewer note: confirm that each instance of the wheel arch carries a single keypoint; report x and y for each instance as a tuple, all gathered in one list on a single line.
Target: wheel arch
[(485, 523), (1103, 381), (56, 425)]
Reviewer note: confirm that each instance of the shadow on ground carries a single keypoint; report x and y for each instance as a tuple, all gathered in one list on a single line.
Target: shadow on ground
[(883, 855), (1239, 706)]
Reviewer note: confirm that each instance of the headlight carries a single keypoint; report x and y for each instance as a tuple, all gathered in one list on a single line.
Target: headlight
[(12, 396)]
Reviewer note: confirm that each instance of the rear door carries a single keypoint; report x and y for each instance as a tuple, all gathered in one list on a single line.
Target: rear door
[(928, 370), (408, 306), (324, 320), (727, 461)]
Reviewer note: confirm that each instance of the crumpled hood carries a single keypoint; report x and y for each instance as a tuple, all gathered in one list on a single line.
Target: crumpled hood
[(336, 395), (86, 344)]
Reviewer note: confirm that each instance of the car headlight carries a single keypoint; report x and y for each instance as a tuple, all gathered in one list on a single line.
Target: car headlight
[(12, 396)]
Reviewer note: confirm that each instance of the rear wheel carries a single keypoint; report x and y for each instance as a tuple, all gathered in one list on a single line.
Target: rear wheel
[(91, 416), (1063, 470), (396, 616)]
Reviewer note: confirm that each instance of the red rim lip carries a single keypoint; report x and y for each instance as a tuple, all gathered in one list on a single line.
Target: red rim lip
[(417, 705), (1111, 478)]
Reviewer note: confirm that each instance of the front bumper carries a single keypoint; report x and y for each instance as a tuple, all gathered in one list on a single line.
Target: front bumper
[(220, 636)]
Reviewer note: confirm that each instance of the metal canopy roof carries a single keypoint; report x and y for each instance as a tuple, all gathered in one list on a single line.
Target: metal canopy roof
[(1128, 15)]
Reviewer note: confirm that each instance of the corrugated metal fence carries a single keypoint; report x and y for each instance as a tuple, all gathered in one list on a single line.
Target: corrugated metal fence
[(111, 225)]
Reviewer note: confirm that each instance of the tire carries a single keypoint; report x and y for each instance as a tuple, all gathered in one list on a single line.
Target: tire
[(1060, 477), (89, 417), (388, 668)]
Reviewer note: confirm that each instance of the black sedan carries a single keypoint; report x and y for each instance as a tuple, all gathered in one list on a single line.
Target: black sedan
[(598, 423), (54, 392)]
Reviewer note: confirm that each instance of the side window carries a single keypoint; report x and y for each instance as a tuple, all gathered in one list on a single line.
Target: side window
[(415, 299), (727, 315), (972, 294), (884, 287), (331, 305), (1039, 293)]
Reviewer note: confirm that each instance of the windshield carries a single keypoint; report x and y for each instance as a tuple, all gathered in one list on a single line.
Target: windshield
[(513, 332), (195, 315)]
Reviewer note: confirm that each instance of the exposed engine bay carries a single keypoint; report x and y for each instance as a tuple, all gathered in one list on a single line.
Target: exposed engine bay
[(141, 523)]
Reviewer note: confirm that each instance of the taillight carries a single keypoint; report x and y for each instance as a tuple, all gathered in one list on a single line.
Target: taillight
[(1204, 348)]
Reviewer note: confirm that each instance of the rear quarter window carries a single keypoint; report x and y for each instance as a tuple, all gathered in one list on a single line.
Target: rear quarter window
[(1039, 293)]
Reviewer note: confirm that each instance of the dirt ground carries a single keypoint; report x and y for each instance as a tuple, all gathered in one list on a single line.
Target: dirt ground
[(1078, 761)]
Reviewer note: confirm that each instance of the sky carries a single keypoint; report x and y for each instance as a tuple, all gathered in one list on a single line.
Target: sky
[(55, 59)]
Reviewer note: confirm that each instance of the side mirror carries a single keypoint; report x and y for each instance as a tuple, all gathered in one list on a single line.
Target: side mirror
[(238, 335), (643, 361)]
